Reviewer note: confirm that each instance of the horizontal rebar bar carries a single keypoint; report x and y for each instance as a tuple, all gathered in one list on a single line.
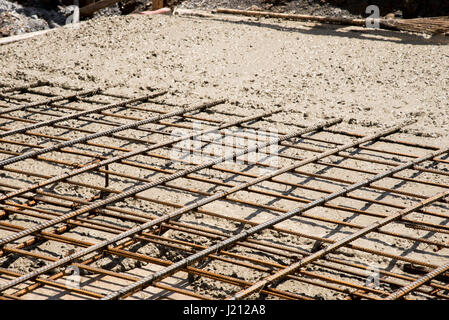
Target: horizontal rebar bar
[(173, 176), (386, 163), (246, 174), (431, 290), (35, 153), (265, 225), (306, 216), (80, 114), (45, 233), (52, 236), (54, 99)]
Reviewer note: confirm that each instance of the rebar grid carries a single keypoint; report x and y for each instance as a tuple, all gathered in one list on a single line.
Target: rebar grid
[(90, 184)]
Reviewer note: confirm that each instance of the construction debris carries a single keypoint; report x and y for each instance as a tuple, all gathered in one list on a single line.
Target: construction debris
[(17, 19)]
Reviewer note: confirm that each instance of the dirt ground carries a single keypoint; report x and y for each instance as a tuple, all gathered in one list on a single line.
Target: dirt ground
[(372, 79), (376, 78)]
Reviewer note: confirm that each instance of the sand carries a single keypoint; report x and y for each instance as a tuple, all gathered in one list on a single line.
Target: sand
[(377, 78), (372, 79)]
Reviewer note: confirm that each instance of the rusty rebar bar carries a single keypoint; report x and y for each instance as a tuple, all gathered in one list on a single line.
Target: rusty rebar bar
[(47, 101), (419, 282)]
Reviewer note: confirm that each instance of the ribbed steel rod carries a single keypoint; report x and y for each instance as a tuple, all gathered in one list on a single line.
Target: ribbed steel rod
[(143, 238), (146, 186), (298, 185), (148, 237), (35, 153), (272, 207), (79, 114), (290, 157), (344, 156), (374, 226), (229, 185), (419, 282), (54, 99), (286, 231), (128, 155), (225, 113), (52, 236), (193, 117), (230, 199), (356, 135), (131, 192), (223, 244), (43, 235), (25, 87)]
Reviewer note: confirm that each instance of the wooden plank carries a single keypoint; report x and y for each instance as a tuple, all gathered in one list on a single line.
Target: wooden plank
[(93, 7), (157, 4)]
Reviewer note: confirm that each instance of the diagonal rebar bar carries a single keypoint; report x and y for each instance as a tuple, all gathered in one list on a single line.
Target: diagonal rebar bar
[(292, 268), (421, 281)]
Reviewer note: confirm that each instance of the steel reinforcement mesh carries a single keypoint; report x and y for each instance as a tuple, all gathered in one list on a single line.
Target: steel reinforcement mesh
[(105, 196)]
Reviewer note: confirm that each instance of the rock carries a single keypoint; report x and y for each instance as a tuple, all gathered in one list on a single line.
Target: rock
[(17, 19)]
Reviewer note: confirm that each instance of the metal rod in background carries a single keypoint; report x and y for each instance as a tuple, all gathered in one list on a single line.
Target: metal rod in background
[(25, 87)]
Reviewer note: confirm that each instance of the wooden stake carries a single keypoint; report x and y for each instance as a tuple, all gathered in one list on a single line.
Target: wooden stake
[(157, 4)]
